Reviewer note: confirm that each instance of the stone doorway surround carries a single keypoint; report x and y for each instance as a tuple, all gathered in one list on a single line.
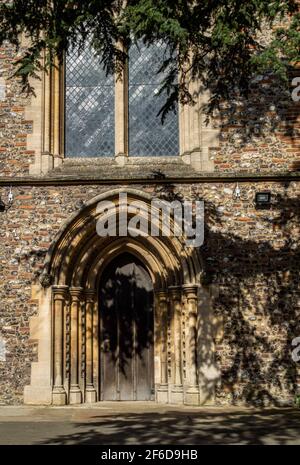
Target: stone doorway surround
[(67, 326)]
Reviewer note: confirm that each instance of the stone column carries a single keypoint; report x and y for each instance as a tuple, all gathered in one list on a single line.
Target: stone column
[(90, 391), (60, 294), (192, 392), (75, 392), (57, 110), (96, 347), (46, 156), (121, 114), (195, 130), (196, 135), (185, 150), (176, 305), (162, 392)]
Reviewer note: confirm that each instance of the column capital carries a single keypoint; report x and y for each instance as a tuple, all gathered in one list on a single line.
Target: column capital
[(175, 291), (76, 292), (190, 290), (60, 292), (90, 295), (162, 295)]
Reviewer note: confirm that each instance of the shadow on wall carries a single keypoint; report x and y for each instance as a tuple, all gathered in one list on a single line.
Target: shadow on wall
[(269, 108), (256, 304)]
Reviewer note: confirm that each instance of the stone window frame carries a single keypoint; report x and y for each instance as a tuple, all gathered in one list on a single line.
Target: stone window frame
[(47, 113)]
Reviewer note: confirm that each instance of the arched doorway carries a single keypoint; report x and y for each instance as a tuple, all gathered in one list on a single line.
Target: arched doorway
[(126, 331), (69, 334)]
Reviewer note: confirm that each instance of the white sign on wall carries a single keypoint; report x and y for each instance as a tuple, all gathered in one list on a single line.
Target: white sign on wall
[(2, 350), (2, 88)]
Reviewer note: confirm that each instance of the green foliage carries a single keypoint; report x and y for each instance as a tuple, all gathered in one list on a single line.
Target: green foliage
[(218, 41)]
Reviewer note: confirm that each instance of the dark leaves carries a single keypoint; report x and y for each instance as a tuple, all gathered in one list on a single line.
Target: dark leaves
[(220, 42)]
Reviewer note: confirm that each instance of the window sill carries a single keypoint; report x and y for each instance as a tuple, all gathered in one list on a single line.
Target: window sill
[(130, 168)]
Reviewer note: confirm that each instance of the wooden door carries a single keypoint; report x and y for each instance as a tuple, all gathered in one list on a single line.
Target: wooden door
[(126, 329)]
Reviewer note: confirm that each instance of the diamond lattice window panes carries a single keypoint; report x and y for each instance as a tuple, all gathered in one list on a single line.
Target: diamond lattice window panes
[(147, 135), (89, 117)]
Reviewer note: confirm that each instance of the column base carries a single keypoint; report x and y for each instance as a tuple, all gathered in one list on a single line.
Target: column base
[(176, 395), (162, 395), (192, 396), (90, 396), (59, 396), (75, 396)]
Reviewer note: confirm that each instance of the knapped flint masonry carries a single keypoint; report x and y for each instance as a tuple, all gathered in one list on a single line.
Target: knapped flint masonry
[(85, 318)]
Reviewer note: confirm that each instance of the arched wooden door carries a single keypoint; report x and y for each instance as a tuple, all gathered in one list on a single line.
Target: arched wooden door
[(126, 331)]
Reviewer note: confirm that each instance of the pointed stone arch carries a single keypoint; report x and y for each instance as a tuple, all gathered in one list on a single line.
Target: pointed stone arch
[(79, 234), (75, 262)]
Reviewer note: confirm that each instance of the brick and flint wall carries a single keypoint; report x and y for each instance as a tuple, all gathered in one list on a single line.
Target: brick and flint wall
[(251, 259), (251, 256)]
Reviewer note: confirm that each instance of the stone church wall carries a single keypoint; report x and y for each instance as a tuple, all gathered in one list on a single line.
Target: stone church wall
[(251, 260), (251, 257)]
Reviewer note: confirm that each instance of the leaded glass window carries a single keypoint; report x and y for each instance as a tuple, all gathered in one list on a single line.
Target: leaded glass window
[(91, 121), (90, 116), (147, 135)]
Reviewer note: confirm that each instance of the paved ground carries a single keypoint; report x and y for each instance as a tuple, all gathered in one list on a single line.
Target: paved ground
[(148, 423)]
